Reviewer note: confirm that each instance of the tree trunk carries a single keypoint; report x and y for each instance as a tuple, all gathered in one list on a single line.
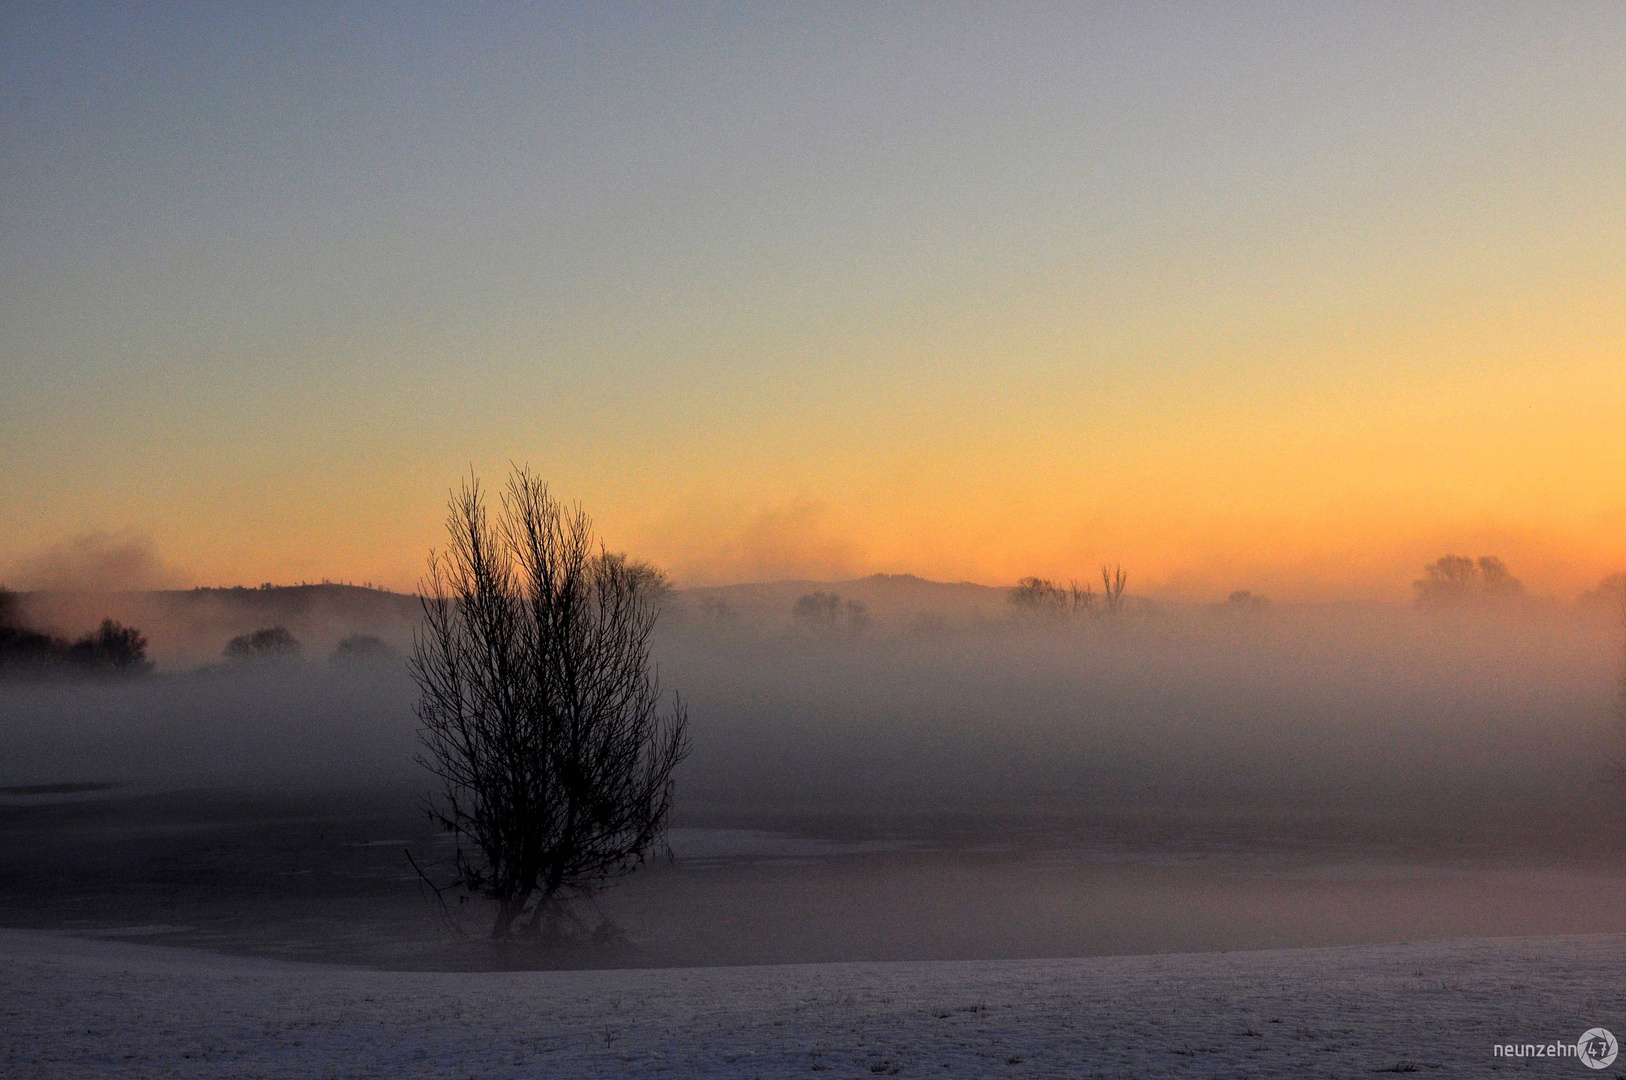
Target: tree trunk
[(544, 908), (507, 911)]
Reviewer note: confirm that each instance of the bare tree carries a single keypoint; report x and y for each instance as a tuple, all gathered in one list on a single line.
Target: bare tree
[(1113, 582), (1035, 594), (826, 614), (1043, 596), (539, 708)]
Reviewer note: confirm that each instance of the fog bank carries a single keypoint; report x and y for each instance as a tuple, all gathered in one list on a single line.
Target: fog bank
[(942, 700)]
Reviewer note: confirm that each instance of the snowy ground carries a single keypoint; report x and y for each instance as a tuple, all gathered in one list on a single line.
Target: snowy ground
[(78, 1007)]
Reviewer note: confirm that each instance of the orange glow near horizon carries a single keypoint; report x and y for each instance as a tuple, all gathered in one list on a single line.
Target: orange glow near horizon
[(1297, 313), (1325, 486)]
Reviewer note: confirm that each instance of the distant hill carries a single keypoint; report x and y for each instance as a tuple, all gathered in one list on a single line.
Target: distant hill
[(187, 627)]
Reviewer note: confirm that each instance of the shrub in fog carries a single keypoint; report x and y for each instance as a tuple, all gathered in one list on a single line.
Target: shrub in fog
[(1456, 581), (648, 579), (1041, 596), (539, 707), (362, 649), (24, 651), (27, 652), (719, 613), (1611, 590), (271, 643), (826, 614), (1243, 601), (111, 649)]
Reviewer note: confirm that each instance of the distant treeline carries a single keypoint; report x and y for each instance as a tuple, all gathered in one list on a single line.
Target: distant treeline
[(1042, 596), (111, 649), (1452, 581)]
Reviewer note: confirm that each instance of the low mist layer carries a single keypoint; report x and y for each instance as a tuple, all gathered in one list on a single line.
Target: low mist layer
[(894, 695)]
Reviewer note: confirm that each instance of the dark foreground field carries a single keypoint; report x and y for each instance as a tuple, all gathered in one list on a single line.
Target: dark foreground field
[(328, 878)]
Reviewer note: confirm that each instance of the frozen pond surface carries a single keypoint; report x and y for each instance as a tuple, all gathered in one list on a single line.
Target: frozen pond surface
[(77, 1007), (327, 880)]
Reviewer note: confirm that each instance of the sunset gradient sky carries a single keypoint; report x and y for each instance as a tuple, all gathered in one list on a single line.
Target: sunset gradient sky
[(1284, 297)]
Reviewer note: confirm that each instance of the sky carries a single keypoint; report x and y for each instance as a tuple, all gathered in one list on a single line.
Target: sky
[(1293, 298)]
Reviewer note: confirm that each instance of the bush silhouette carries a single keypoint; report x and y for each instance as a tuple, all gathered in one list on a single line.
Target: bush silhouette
[(362, 649), (826, 614), (112, 648), (272, 643), (1456, 580)]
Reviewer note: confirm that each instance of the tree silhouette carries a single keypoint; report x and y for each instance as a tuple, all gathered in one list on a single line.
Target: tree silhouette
[(826, 614), (1456, 580), (112, 646), (111, 649), (1113, 582), (1041, 596), (271, 643), (539, 707)]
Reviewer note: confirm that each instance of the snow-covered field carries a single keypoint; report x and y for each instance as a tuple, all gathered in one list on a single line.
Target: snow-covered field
[(93, 1008)]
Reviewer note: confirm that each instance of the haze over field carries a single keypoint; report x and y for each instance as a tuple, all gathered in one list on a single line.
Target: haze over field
[(936, 697), (935, 772)]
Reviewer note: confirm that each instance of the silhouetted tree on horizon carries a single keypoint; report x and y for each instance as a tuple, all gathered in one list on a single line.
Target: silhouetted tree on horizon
[(271, 643), (1243, 600), (112, 646), (1611, 590), (111, 649), (1042, 596), (827, 614), (363, 649), (1113, 582), (1456, 580)]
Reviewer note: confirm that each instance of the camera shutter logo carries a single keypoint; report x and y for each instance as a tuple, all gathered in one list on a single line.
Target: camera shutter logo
[(1597, 1048)]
